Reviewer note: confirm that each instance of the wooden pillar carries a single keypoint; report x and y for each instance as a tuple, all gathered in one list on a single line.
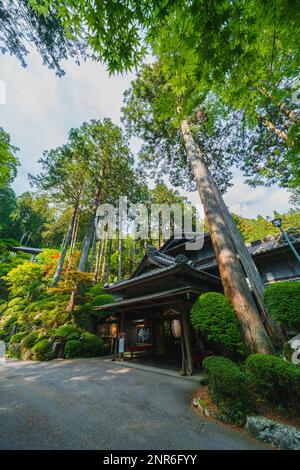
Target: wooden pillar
[(183, 351), (122, 333), (186, 327)]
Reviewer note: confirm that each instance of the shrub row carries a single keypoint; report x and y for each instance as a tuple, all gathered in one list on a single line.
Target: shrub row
[(266, 378), (89, 346), (275, 381), (228, 389)]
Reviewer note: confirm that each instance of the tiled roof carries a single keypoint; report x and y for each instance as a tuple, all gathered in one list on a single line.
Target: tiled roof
[(173, 263), (143, 298), (271, 243), (167, 263)]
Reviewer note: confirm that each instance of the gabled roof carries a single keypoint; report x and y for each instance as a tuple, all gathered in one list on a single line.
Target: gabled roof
[(148, 298), (174, 243), (167, 264), (153, 258)]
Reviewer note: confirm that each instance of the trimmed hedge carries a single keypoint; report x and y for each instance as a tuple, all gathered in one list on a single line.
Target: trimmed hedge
[(274, 380), (73, 348), (213, 315), (29, 341), (283, 302), (42, 350), (92, 345), (17, 337), (67, 332), (228, 389)]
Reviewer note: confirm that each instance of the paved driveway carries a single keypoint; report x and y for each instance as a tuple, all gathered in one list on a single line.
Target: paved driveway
[(96, 404)]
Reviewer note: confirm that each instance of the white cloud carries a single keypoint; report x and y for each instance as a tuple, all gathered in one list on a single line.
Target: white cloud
[(41, 108), (249, 202)]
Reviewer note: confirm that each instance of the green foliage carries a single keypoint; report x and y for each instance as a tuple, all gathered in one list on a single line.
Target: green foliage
[(151, 112), (92, 345), (14, 351), (9, 322), (283, 302), (102, 299), (73, 348), (228, 389), (109, 29), (41, 351), (22, 25), (17, 337), (213, 315), (30, 216), (275, 381), (25, 280), (260, 227), (7, 206), (8, 160), (67, 332), (30, 340), (82, 317)]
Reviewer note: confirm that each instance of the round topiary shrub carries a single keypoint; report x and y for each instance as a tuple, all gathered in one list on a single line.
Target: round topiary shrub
[(29, 341), (42, 350), (283, 302), (73, 348), (92, 345), (213, 315), (67, 332)]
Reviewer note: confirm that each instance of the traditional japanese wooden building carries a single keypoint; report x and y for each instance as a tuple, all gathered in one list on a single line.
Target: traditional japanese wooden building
[(152, 309)]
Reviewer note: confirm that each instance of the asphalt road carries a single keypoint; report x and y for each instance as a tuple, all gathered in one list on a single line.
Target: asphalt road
[(96, 404)]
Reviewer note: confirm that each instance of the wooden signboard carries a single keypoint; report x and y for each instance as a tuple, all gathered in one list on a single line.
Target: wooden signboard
[(144, 334)]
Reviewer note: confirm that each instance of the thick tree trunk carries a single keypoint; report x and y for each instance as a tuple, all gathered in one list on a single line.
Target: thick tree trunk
[(103, 258), (120, 258), (85, 251), (232, 275), (89, 236), (65, 248), (109, 243), (251, 271), (92, 253), (133, 254), (73, 240), (98, 260)]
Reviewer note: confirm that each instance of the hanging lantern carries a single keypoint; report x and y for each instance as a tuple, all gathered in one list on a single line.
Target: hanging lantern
[(114, 330), (176, 328)]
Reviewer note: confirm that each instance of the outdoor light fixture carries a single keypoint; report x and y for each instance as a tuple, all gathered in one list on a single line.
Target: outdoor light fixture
[(278, 223)]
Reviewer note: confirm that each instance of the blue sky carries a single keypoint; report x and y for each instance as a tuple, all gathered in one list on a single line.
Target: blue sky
[(41, 108)]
